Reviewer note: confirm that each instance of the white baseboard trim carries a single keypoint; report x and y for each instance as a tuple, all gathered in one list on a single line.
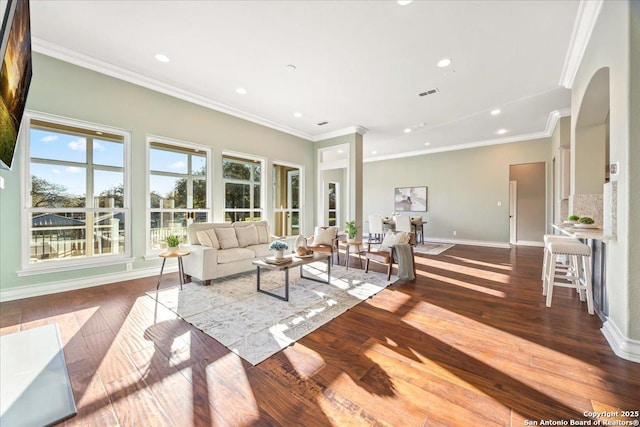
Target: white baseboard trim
[(624, 347), (469, 242), (529, 243), (40, 289)]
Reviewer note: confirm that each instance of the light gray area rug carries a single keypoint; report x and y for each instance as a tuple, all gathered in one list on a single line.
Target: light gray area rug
[(432, 248), (256, 326)]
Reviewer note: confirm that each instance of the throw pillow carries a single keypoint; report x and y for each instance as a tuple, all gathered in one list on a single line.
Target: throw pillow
[(324, 236), (247, 235), (208, 238), (263, 233), (394, 238), (227, 238)]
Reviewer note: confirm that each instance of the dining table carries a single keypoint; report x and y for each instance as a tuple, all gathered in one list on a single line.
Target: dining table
[(415, 223)]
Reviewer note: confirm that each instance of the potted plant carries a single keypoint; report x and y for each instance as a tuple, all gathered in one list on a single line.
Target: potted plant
[(279, 246), (573, 218), (173, 243), (351, 229), (586, 220)]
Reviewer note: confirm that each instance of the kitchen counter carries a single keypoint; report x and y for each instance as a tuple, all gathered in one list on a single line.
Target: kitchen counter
[(582, 233)]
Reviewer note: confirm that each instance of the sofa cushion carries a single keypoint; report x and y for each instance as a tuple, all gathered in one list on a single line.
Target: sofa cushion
[(261, 250), (324, 236), (227, 238), (247, 235), (208, 238), (235, 254)]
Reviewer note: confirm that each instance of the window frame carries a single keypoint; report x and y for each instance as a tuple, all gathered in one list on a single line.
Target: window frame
[(150, 252), (58, 265), (250, 159)]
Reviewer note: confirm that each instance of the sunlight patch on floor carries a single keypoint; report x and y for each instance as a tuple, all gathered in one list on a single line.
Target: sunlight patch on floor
[(460, 283), (481, 263), (470, 271)]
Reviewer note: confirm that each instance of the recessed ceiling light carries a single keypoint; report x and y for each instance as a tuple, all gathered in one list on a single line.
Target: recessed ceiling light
[(403, 2), (501, 131), (241, 91), (495, 112), (427, 144), (340, 151), (297, 114), (290, 67), (374, 152), (162, 58), (407, 130), (444, 62)]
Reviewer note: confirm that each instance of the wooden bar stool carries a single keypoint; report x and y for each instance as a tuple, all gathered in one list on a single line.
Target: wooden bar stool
[(580, 280), (548, 238)]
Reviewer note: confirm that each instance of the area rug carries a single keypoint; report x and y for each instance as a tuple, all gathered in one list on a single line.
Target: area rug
[(256, 326), (432, 248)]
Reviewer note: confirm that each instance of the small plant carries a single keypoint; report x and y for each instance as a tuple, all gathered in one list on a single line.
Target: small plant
[(573, 218), (585, 220), (351, 229), (278, 245), (173, 241)]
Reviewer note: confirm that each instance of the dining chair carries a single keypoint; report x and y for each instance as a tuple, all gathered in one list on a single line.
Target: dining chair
[(403, 223), (376, 228)]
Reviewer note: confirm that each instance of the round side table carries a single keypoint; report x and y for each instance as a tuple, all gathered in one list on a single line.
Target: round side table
[(177, 254), (355, 243)]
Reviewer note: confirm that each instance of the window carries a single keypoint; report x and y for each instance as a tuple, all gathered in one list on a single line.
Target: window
[(242, 189), (178, 181), (286, 199), (333, 211), (77, 200)]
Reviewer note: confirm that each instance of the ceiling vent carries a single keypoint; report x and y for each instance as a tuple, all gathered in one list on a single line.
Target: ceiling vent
[(323, 123), (429, 92)]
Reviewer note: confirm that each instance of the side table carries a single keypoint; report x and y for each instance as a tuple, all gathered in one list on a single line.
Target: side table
[(177, 254), (355, 243)]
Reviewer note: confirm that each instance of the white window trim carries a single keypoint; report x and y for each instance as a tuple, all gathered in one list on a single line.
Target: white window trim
[(150, 253), (47, 267)]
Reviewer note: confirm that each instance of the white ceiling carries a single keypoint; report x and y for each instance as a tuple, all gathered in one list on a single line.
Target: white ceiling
[(358, 63)]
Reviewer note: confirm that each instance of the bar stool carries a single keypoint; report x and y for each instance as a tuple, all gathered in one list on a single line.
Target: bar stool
[(548, 238), (580, 280)]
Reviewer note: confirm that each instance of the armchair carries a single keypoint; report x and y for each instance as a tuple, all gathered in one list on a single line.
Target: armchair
[(324, 240), (385, 254)]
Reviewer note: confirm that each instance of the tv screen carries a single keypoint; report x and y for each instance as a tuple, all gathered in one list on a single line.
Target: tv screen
[(15, 76)]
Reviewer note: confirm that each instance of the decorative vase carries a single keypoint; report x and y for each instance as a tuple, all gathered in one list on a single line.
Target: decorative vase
[(279, 254)]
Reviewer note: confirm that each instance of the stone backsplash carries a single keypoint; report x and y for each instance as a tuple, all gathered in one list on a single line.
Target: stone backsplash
[(586, 205)]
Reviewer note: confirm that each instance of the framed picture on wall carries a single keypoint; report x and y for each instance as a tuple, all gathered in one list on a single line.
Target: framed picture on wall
[(410, 199)]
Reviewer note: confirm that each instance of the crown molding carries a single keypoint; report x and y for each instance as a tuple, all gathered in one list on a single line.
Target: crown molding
[(588, 12), (341, 132), (55, 51), (552, 120)]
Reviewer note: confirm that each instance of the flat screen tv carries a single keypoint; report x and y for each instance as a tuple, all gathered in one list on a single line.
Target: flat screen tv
[(15, 76)]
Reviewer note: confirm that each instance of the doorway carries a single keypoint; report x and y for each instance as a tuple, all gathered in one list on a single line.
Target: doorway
[(286, 199), (527, 203)]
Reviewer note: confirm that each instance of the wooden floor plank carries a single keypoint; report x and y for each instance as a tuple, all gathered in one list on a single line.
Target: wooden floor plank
[(469, 342)]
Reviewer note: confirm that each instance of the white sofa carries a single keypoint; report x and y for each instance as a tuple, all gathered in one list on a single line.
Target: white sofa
[(222, 249)]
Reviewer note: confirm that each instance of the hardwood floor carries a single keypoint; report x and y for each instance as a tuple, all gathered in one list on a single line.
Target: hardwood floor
[(469, 342)]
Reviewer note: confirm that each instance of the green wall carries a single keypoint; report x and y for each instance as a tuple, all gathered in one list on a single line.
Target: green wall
[(464, 188), (67, 90)]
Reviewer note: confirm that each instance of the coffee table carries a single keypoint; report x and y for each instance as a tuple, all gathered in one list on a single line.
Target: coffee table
[(295, 262)]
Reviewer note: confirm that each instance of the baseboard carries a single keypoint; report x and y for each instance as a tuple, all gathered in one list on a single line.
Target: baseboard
[(469, 242), (624, 347), (40, 289), (529, 243)]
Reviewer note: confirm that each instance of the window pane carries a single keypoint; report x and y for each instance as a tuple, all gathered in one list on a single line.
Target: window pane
[(164, 224), (57, 186), (108, 233), (199, 194), (198, 165), (47, 144), (163, 191), (167, 161), (332, 196), (108, 153), (231, 169), (108, 189), (256, 196), (256, 172), (237, 195), (57, 235)]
